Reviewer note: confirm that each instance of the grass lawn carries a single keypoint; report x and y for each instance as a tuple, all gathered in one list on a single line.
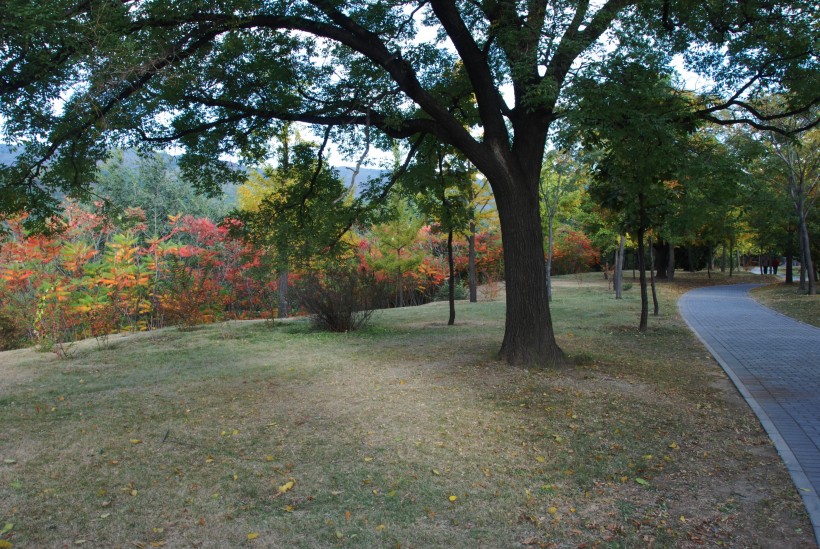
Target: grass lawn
[(406, 434), (791, 301)]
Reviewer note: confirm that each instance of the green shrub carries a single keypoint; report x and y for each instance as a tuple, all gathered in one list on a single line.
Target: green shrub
[(443, 292)]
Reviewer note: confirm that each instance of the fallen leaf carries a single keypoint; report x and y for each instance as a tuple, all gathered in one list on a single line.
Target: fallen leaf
[(5, 544), (368, 459), (253, 535), (682, 518), (9, 461), (105, 515), (347, 516), (158, 543), (641, 481), (540, 459), (452, 498), (435, 472), (674, 445), (134, 492), (7, 527), (287, 486), (552, 510), (158, 530), (136, 441), (380, 527)]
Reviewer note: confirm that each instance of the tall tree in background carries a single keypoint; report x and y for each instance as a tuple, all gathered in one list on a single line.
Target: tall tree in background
[(214, 78), (443, 187), (635, 127), (559, 177), (797, 168)]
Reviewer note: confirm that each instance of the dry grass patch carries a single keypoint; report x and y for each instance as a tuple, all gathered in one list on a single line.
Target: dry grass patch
[(409, 433), (790, 301)]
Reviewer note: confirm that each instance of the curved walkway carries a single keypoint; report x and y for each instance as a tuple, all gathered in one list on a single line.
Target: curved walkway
[(774, 361)]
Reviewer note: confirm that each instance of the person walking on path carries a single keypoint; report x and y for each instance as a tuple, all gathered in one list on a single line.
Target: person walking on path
[(774, 361), (775, 265)]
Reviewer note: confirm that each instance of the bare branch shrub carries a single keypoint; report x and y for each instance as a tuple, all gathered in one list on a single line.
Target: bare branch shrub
[(340, 299)]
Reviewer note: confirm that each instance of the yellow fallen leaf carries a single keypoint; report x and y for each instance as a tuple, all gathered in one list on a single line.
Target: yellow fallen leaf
[(253, 535), (268, 458), (160, 543), (287, 508), (105, 515), (552, 510), (136, 441), (234, 432), (380, 527), (5, 544), (540, 459), (452, 498), (435, 472), (368, 459), (674, 445), (134, 492), (287, 486), (158, 530), (235, 476)]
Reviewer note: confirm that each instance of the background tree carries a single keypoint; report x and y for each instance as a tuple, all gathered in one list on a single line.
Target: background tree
[(797, 156), (638, 125), (77, 75), (443, 187), (559, 177), (395, 239)]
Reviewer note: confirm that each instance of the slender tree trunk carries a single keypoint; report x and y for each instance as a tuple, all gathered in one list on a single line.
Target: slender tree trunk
[(789, 267), (652, 277), (282, 292), (451, 264), (731, 260), (670, 267), (549, 257), (471, 264), (529, 338), (619, 268), (723, 259), (709, 264), (642, 274), (808, 264)]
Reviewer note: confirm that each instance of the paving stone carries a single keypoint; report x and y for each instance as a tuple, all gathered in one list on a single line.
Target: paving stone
[(774, 361)]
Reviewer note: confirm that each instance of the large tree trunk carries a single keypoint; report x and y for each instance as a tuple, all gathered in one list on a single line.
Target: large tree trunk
[(451, 264), (529, 338), (471, 264)]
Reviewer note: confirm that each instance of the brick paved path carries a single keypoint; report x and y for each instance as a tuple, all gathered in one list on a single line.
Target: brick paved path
[(775, 363)]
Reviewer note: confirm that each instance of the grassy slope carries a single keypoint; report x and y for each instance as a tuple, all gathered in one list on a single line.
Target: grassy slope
[(791, 301), (184, 439)]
